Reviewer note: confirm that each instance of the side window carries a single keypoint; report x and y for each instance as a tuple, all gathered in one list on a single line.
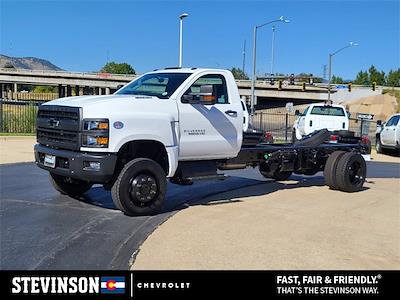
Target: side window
[(391, 121), (218, 84)]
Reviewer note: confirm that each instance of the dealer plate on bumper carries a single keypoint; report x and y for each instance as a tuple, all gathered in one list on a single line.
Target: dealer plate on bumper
[(50, 161)]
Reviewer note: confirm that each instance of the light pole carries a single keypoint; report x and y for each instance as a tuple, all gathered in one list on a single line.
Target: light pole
[(244, 55), (181, 17), (272, 50), (253, 80), (351, 44)]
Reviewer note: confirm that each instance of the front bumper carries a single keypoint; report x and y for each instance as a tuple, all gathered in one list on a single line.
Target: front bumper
[(74, 164)]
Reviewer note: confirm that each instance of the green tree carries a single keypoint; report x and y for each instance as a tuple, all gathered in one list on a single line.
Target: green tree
[(393, 78), (117, 68), (44, 89), (318, 79), (376, 76), (239, 74), (362, 78), (337, 80)]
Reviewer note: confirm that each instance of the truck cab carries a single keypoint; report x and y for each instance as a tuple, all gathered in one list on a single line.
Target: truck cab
[(168, 116), (320, 116)]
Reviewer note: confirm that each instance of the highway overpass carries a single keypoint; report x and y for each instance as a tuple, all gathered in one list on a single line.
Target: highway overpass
[(82, 83)]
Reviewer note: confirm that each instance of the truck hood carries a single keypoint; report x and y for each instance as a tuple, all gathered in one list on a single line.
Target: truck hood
[(82, 101), (119, 106)]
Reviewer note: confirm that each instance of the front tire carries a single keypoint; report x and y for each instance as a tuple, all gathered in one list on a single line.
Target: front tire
[(140, 187), (69, 186)]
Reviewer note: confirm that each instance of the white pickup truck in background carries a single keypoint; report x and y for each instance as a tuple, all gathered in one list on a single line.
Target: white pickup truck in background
[(388, 134), (183, 124), (320, 116)]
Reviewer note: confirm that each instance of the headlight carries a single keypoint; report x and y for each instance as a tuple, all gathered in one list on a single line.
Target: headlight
[(95, 125), (95, 133)]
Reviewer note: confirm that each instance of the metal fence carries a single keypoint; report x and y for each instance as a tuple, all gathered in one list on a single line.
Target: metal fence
[(281, 125), (18, 116)]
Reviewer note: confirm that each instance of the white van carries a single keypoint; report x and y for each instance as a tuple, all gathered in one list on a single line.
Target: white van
[(320, 116)]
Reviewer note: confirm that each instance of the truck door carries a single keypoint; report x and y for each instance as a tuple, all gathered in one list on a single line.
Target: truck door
[(388, 134), (210, 131)]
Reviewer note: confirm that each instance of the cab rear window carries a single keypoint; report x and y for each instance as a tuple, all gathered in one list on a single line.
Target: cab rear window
[(327, 111)]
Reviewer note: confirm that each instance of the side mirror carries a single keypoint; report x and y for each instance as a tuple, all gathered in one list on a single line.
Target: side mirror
[(379, 123), (119, 86), (297, 112), (205, 96)]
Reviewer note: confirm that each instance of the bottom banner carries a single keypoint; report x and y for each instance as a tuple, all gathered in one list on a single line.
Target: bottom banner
[(184, 284)]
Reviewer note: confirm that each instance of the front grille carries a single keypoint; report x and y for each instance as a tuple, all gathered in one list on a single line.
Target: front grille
[(59, 126)]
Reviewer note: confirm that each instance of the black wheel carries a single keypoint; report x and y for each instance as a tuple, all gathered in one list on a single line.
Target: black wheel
[(378, 145), (351, 172), (69, 186), (275, 174), (140, 187), (330, 168)]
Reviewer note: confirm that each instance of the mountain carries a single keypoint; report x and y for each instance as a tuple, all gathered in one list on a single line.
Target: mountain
[(31, 63)]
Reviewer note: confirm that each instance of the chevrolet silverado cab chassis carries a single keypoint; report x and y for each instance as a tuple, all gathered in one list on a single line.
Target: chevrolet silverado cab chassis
[(181, 124)]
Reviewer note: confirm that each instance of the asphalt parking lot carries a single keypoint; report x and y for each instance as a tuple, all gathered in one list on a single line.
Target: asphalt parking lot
[(41, 229)]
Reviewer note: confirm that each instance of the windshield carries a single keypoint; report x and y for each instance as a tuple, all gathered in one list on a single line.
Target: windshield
[(161, 85), (327, 111)]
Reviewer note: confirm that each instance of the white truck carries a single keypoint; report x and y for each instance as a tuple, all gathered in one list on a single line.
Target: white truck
[(388, 134), (181, 124), (320, 116)]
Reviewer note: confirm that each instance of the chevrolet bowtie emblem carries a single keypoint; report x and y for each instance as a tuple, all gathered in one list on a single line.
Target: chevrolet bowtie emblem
[(53, 122)]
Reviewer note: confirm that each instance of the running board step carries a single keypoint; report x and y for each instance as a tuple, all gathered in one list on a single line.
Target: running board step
[(208, 177), (189, 180)]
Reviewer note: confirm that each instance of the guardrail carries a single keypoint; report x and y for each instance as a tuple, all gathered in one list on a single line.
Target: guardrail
[(31, 96), (66, 73)]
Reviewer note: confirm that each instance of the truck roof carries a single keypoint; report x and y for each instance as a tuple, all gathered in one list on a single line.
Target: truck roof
[(187, 70), (323, 104)]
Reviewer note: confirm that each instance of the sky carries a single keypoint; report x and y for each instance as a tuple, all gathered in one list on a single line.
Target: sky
[(83, 35)]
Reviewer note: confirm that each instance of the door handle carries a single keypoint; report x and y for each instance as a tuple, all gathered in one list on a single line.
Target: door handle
[(231, 113)]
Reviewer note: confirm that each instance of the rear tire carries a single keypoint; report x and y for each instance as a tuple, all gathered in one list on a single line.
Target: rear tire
[(277, 175), (140, 187), (351, 172), (69, 186), (330, 169)]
